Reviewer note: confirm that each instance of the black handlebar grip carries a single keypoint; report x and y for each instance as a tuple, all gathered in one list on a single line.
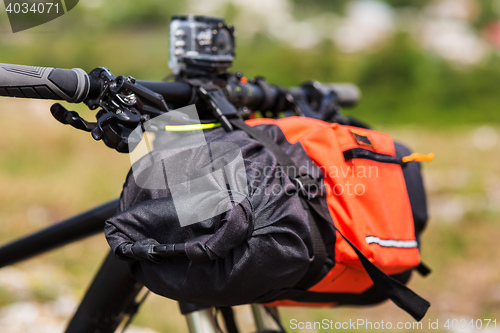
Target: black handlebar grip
[(348, 94), (71, 85)]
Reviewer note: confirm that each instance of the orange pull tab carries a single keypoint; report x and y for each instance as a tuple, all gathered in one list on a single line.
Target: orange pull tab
[(417, 157)]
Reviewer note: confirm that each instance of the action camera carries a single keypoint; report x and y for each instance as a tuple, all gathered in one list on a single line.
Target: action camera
[(200, 45)]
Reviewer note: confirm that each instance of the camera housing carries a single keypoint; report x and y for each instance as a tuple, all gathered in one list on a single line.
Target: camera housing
[(200, 45)]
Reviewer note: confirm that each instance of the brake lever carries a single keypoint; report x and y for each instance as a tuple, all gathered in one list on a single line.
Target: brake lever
[(124, 105), (71, 118)]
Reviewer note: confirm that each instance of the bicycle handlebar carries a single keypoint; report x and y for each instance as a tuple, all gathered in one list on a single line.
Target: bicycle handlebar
[(72, 85), (75, 86), (178, 92), (348, 94)]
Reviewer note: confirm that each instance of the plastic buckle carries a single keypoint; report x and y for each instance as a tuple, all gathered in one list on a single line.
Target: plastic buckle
[(307, 186), (169, 250)]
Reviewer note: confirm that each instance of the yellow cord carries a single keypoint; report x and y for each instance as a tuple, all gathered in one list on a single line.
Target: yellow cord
[(194, 127), (417, 157)]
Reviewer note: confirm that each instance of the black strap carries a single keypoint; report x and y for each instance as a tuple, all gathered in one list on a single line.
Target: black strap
[(228, 315), (423, 269), (216, 100), (313, 275), (401, 295), (397, 292), (371, 296), (371, 155), (283, 159)]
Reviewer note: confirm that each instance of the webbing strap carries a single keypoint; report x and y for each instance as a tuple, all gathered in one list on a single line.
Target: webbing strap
[(383, 158), (423, 269), (229, 320), (397, 292), (370, 155), (283, 159), (313, 275), (401, 295)]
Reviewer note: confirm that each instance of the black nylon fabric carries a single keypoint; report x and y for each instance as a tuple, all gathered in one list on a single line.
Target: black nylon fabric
[(261, 245), (416, 191)]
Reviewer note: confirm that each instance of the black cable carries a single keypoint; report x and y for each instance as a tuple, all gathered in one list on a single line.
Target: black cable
[(276, 319), (217, 325), (134, 310)]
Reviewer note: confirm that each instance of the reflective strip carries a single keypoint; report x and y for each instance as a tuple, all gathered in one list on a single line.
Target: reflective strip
[(404, 244), (194, 127)]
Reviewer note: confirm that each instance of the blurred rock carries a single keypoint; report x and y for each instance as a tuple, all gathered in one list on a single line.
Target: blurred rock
[(485, 138), (16, 281), (51, 317), (447, 209)]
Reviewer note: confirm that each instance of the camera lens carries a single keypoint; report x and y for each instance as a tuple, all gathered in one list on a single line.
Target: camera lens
[(224, 42)]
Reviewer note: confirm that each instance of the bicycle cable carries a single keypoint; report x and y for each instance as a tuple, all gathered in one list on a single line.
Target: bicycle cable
[(276, 319), (134, 310)]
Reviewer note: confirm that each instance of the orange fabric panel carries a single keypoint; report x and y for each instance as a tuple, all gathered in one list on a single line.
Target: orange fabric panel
[(344, 279), (365, 198)]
